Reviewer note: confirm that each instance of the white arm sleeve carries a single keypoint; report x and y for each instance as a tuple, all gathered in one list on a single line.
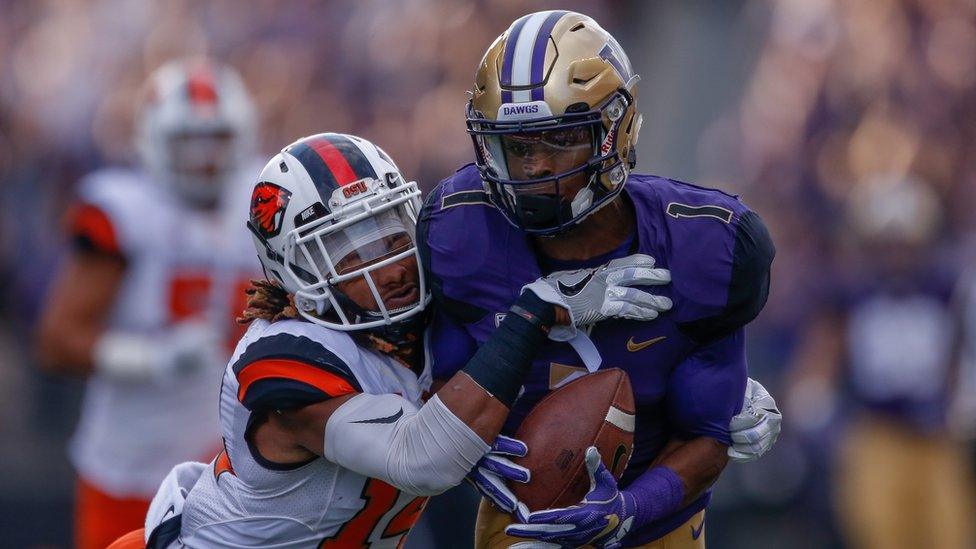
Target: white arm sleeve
[(422, 452)]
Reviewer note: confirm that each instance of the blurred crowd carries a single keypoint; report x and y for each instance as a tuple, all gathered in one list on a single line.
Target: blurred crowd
[(854, 136)]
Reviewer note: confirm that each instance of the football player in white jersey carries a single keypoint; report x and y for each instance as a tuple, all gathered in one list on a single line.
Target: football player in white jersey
[(327, 439), (142, 306)]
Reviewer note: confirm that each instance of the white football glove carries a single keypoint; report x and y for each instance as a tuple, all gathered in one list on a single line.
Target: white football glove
[(755, 430), (182, 350), (187, 348), (592, 295)]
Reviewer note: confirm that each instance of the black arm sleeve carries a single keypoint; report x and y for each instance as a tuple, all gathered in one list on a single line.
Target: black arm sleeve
[(501, 363)]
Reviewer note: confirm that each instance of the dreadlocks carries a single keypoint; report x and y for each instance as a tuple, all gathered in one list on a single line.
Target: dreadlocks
[(268, 301)]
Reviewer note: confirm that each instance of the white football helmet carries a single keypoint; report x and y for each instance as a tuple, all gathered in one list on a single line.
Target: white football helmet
[(334, 208), (195, 126)]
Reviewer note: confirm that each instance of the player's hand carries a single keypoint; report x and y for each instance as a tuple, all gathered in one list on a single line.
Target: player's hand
[(755, 430), (186, 348), (602, 519), (491, 472), (592, 295)]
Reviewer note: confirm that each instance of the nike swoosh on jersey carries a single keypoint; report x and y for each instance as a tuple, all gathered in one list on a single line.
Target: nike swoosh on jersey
[(696, 533), (633, 346), (575, 288), (387, 419)]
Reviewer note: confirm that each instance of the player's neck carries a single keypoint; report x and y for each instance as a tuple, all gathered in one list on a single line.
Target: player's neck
[(598, 234)]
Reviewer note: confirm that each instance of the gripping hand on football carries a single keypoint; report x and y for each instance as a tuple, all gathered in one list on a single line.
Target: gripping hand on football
[(592, 295), (755, 429), (602, 519), (491, 472)]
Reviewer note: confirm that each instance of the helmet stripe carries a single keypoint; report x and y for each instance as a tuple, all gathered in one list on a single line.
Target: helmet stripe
[(317, 170), (200, 87), (539, 53), (510, 56), (332, 161), (522, 62), (349, 153)]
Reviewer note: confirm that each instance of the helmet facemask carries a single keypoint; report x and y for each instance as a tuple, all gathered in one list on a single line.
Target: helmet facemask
[(548, 173), (195, 128), (200, 163), (341, 262)]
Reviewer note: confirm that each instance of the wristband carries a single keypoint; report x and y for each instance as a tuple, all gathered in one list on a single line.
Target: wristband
[(533, 319), (500, 365)]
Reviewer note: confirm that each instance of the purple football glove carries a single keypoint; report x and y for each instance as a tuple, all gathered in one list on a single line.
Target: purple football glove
[(602, 519), (492, 470)]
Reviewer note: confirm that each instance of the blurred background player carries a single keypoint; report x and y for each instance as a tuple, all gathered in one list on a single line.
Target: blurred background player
[(143, 305), (888, 340), (554, 122)]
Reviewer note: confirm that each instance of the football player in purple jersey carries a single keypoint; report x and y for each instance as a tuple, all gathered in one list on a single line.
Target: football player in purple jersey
[(554, 124), (884, 342)]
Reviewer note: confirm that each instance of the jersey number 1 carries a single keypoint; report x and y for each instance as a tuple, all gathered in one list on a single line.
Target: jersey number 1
[(380, 498)]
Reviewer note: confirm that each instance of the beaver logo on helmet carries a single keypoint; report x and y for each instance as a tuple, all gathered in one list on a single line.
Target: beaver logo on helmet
[(268, 203)]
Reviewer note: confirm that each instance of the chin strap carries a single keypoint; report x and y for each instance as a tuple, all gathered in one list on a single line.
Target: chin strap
[(400, 340), (587, 351)]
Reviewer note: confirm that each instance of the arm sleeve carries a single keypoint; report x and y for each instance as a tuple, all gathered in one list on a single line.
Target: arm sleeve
[(705, 390), (420, 451), (284, 371)]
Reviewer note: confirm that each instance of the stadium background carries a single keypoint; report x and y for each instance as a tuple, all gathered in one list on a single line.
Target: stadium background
[(788, 103)]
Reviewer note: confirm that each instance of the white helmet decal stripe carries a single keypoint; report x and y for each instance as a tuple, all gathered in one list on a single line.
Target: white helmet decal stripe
[(522, 61)]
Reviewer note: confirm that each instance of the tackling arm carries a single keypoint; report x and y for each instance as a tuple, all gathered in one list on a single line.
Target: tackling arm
[(427, 450)]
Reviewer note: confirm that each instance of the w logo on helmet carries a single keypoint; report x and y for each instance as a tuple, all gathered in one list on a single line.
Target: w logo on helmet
[(268, 203)]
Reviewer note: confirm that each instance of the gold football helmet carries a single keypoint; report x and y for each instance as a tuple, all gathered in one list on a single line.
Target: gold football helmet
[(554, 121)]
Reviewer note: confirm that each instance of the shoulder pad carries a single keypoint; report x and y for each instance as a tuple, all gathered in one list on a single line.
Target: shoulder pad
[(125, 201), (718, 250), (285, 368)]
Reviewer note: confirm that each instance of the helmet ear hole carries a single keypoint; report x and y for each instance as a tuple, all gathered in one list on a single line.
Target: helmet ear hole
[(585, 71), (578, 107)]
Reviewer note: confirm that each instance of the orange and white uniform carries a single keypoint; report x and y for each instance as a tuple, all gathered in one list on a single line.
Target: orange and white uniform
[(181, 266), (243, 500)]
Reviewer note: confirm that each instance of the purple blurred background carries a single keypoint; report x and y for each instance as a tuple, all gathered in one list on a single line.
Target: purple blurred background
[(790, 103)]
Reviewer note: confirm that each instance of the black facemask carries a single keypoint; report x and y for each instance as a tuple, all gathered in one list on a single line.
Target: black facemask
[(540, 211)]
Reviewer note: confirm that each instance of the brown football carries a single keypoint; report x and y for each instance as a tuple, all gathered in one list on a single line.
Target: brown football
[(594, 410)]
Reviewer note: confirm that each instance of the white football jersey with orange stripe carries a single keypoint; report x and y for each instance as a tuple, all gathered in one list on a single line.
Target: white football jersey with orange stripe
[(181, 264), (243, 500)]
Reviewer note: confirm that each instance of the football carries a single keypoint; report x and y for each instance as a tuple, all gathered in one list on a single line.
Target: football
[(594, 410)]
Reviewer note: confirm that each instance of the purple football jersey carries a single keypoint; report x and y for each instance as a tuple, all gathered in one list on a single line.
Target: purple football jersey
[(687, 368), (898, 335)]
